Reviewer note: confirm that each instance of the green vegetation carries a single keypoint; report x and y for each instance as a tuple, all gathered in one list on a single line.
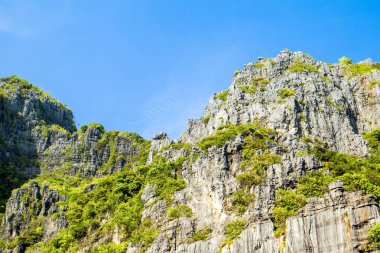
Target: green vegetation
[(374, 238), (254, 168), (259, 65), (111, 248), (228, 132), (302, 153), (355, 172), (205, 119), (16, 84), (85, 128), (286, 92), (302, 67), (222, 95), (17, 153), (47, 130), (345, 60), (236, 72), (287, 204), (114, 198), (232, 230), (176, 212), (254, 165), (201, 235), (240, 200), (374, 83), (314, 183), (144, 235), (118, 195), (178, 146), (257, 83), (31, 236), (356, 69)]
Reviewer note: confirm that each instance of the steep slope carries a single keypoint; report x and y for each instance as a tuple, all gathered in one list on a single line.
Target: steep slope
[(26, 114), (285, 160)]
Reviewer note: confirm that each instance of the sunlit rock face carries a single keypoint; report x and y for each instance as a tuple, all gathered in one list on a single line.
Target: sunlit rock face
[(289, 104)]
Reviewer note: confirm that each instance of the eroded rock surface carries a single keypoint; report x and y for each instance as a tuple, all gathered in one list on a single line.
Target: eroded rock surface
[(320, 105)]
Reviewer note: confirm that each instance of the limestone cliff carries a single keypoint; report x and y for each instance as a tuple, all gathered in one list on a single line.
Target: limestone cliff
[(285, 160)]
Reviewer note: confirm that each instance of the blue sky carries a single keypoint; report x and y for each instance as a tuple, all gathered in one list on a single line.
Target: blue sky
[(148, 66)]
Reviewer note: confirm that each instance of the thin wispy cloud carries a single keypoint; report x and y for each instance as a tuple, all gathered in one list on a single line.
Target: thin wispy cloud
[(28, 19)]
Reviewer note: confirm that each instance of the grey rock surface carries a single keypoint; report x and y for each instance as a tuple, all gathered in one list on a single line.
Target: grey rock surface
[(327, 106)]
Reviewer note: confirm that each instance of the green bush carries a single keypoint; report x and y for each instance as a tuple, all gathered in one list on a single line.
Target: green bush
[(345, 60), (286, 92), (359, 181), (373, 139), (353, 70), (220, 137), (179, 211), (144, 235), (254, 168), (228, 132), (240, 200), (374, 238), (257, 140), (257, 83), (111, 248), (178, 146), (287, 203), (302, 153), (251, 178), (259, 65), (222, 95), (201, 235), (374, 83), (205, 119), (61, 243), (302, 67), (313, 184), (232, 230), (99, 126)]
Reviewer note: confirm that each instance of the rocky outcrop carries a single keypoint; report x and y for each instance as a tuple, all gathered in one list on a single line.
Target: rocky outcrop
[(328, 104), (26, 114), (27, 206), (303, 103), (336, 223)]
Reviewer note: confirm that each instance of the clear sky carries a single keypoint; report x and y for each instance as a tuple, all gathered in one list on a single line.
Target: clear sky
[(147, 66)]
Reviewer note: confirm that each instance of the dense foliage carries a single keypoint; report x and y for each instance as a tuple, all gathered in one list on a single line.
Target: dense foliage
[(232, 230), (374, 238), (228, 132), (99, 205), (240, 200), (299, 66), (254, 165), (353, 70), (287, 204)]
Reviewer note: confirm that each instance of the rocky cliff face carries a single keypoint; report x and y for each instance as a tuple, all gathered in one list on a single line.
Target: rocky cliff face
[(26, 114), (285, 160)]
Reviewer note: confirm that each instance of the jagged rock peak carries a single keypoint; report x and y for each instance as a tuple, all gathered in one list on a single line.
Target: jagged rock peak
[(295, 94)]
